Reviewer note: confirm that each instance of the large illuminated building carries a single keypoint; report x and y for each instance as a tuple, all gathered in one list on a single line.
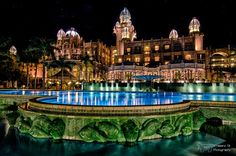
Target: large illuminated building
[(222, 63), (89, 60), (176, 59)]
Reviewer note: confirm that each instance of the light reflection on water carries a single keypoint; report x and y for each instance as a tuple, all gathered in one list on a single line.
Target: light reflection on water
[(15, 144), (115, 98)]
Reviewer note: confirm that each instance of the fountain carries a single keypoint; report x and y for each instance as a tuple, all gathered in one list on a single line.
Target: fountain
[(116, 116)]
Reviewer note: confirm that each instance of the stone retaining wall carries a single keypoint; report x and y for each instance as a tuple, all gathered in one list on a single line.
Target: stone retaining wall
[(37, 106)]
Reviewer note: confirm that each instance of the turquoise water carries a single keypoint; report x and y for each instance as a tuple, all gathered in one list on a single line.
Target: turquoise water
[(15, 144), (103, 98)]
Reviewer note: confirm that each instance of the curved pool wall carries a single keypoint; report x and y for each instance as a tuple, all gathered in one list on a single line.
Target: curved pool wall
[(114, 126), (107, 125), (50, 121)]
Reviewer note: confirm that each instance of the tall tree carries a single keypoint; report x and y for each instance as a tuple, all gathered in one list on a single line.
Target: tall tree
[(45, 48), (87, 63), (26, 57), (63, 65), (9, 70), (33, 56)]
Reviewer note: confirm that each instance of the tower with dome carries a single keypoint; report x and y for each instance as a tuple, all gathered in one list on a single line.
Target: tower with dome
[(124, 30), (177, 58), (68, 44)]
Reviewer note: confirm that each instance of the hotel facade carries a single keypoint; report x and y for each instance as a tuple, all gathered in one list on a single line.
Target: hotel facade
[(176, 58)]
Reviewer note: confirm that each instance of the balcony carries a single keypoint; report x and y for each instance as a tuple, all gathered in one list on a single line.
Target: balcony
[(182, 65), (125, 67)]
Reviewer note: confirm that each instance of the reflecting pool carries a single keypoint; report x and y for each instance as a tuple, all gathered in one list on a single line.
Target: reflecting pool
[(104, 98)]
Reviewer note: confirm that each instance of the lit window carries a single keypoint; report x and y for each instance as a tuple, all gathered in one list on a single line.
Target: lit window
[(188, 57), (128, 50), (157, 47), (146, 48), (137, 59), (147, 59), (128, 59), (125, 33), (157, 58), (120, 60), (167, 46)]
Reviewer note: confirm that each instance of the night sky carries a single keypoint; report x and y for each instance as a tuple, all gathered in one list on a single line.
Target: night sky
[(94, 19)]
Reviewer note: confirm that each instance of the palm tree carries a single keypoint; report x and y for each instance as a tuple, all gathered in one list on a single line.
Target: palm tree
[(87, 62), (26, 58), (62, 64), (80, 69), (8, 70), (44, 47), (34, 57), (103, 70)]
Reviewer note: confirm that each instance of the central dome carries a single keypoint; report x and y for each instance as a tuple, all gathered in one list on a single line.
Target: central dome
[(72, 33)]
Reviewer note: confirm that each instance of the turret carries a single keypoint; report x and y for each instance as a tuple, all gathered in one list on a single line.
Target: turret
[(124, 30), (194, 30), (173, 34)]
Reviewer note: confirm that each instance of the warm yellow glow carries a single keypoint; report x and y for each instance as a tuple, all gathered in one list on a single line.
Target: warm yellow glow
[(128, 50), (114, 52), (120, 60), (147, 59), (157, 47), (157, 58), (137, 59), (128, 59), (188, 57), (146, 48), (167, 46)]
